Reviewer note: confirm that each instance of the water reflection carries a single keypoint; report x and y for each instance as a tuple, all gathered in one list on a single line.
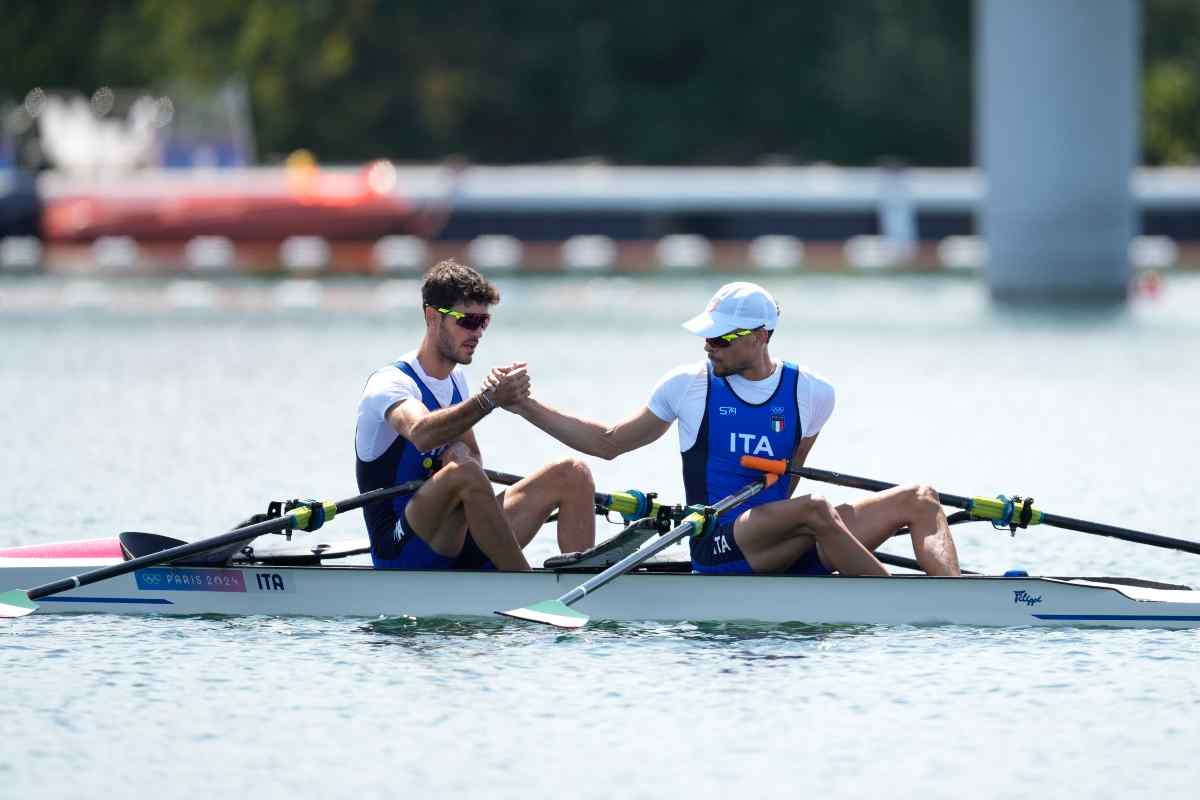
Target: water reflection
[(744, 641)]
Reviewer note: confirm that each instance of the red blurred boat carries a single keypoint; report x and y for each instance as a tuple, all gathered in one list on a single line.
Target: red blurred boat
[(241, 204)]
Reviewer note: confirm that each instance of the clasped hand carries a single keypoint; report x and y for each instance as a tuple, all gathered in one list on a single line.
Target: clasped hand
[(508, 386)]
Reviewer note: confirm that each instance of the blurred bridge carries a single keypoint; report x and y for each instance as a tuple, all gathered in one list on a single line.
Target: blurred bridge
[(382, 216)]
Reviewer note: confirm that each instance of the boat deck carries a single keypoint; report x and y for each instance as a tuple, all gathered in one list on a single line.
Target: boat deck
[(665, 590)]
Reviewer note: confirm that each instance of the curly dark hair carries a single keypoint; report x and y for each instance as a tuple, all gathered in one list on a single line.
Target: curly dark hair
[(450, 282)]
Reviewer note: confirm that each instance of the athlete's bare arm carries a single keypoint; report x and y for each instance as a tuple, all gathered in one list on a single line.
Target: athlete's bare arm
[(429, 429), (594, 438), (799, 457)]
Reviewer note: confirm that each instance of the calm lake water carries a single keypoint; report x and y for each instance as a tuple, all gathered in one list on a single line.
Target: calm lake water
[(184, 407)]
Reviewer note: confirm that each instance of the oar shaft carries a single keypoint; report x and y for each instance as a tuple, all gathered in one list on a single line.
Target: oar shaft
[(624, 564), (971, 503), (296, 518), (666, 540), (867, 484), (503, 478), (620, 502), (981, 507), (1125, 534), (367, 498), (907, 563)]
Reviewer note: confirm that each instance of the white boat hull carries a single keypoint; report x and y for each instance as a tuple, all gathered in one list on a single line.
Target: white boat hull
[(359, 591)]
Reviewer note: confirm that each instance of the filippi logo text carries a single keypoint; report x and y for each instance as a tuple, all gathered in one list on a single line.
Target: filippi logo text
[(1022, 596)]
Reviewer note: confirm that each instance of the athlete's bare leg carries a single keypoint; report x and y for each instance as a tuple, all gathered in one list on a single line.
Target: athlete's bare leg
[(875, 518), (457, 497), (564, 485), (773, 535)]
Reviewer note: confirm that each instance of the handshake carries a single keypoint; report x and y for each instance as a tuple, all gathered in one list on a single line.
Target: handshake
[(507, 387)]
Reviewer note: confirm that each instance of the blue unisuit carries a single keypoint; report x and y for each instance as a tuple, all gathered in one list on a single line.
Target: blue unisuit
[(712, 469)]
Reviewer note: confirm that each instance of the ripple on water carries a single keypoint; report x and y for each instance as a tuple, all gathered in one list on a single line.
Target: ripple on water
[(269, 707)]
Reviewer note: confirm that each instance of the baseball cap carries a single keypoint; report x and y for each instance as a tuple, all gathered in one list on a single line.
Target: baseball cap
[(736, 305)]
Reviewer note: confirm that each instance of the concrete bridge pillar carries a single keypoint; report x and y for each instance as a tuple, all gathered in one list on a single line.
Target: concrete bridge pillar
[(1056, 119)]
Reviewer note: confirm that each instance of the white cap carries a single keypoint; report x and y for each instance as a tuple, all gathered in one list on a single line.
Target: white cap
[(735, 306)]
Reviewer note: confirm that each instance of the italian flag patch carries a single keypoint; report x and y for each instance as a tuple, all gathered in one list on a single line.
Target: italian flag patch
[(776, 424)]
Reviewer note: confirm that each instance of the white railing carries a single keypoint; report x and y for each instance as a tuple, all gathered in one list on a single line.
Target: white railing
[(635, 189)]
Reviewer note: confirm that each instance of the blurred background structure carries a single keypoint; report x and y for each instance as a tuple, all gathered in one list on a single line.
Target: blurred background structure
[(1057, 125), (1059, 140)]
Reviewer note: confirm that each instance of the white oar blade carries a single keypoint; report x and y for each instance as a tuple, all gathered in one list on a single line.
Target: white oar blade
[(549, 612), (16, 604)]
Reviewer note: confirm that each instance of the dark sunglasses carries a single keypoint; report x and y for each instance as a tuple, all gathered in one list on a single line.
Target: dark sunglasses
[(471, 322), (726, 339)]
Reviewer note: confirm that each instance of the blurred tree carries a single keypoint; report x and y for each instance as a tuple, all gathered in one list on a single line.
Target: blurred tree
[(298, 59), (1171, 82), (72, 46), (670, 82)]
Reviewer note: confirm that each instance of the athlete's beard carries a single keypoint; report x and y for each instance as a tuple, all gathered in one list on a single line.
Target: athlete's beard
[(445, 345), (725, 369)]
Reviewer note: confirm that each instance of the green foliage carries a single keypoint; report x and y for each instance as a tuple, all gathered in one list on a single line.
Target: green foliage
[(1171, 82), (668, 82)]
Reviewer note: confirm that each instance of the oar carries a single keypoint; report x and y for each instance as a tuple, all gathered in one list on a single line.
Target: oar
[(559, 612), (631, 505), (18, 602), (907, 563), (503, 478), (997, 510)]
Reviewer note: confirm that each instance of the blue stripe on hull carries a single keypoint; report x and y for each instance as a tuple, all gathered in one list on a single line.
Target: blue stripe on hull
[(1125, 617), (154, 601)]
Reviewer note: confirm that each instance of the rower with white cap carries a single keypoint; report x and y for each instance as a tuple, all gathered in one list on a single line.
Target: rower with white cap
[(740, 401)]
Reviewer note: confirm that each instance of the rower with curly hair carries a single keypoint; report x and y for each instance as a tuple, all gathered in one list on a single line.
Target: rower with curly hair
[(416, 420)]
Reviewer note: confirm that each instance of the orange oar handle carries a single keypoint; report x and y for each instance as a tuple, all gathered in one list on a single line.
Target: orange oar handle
[(774, 466)]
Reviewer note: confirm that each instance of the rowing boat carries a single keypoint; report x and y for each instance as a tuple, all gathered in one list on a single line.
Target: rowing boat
[(231, 574), (657, 590)]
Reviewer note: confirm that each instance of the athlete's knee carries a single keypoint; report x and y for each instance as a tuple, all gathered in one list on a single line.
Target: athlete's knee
[(922, 498), (573, 476), (465, 477), (816, 513), (457, 453)]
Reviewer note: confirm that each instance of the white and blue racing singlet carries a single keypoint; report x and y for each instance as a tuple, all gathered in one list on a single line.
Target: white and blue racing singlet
[(401, 462), (732, 428)]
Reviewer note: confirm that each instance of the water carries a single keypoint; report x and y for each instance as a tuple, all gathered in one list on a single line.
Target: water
[(171, 417)]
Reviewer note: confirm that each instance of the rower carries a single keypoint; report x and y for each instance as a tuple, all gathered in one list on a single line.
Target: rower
[(740, 401), (416, 420)]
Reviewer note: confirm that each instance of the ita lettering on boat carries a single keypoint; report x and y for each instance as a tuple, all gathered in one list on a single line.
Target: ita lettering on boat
[(270, 582)]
